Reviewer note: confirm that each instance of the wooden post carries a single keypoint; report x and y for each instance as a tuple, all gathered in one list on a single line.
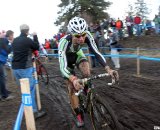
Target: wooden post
[(37, 87), (138, 63), (27, 101)]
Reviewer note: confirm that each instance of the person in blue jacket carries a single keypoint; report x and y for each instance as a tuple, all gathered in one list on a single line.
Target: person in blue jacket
[(5, 49)]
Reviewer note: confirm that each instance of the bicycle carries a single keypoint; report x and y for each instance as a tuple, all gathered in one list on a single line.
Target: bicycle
[(40, 68), (101, 114), (41, 71)]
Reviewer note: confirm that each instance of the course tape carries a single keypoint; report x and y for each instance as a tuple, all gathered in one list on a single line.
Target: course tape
[(17, 125), (26, 99), (130, 56), (121, 56)]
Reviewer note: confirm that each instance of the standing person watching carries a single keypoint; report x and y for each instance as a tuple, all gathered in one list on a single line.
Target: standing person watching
[(5, 49), (113, 41), (137, 21), (71, 55), (157, 24), (119, 27), (22, 64)]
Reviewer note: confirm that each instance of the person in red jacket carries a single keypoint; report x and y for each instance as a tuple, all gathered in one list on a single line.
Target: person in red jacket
[(47, 44), (119, 26), (137, 22)]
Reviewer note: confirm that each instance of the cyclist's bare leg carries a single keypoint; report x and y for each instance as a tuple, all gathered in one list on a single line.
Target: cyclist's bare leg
[(85, 70), (75, 104), (73, 98)]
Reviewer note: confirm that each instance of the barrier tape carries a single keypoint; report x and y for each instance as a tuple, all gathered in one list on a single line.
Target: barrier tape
[(121, 55), (19, 118), (26, 99)]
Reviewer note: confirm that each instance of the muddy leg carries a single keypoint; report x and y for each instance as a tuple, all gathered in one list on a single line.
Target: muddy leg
[(85, 69), (73, 98)]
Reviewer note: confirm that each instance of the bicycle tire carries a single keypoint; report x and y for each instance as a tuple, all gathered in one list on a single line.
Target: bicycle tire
[(102, 115), (42, 72)]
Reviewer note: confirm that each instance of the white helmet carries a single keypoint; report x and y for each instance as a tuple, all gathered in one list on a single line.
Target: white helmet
[(77, 25)]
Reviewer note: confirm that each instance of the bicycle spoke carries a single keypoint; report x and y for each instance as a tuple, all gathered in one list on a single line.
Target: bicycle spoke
[(102, 116), (44, 75), (106, 118), (99, 119)]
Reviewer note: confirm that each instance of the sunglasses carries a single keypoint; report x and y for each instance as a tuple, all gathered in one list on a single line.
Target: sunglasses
[(79, 35)]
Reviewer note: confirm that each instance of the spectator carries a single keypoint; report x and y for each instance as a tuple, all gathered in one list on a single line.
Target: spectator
[(96, 36), (55, 46), (113, 24), (119, 26), (91, 28), (5, 49), (47, 44), (2, 34), (148, 27), (113, 41), (157, 24), (102, 45), (22, 65), (129, 23), (137, 21)]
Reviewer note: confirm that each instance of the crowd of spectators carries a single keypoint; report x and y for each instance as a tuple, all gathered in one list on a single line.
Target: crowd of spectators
[(128, 27), (131, 25)]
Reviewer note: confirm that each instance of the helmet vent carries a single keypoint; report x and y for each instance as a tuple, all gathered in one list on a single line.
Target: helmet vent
[(80, 21), (77, 25)]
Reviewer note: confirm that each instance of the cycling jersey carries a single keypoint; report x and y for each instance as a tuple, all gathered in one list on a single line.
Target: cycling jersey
[(70, 54)]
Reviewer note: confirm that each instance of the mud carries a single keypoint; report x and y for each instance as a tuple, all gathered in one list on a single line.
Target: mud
[(136, 101)]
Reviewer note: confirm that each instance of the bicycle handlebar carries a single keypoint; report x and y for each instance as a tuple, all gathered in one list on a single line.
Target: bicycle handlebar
[(83, 81)]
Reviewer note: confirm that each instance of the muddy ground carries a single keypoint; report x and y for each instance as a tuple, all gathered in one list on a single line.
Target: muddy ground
[(136, 101)]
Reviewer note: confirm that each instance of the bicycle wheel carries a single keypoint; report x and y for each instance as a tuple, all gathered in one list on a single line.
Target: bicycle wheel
[(102, 116), (42, 72)]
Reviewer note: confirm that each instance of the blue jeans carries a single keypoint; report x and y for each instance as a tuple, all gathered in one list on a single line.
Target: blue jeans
[(157, 28), (138, 29), (120, 33), (3, 91), (27, 73)]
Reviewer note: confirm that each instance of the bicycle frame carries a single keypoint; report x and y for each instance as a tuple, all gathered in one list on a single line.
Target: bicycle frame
[(88, 103), (39, 70), (90, 92), (85, 80)]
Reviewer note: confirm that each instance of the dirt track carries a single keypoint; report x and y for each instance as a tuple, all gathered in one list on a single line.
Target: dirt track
[(136, 101)]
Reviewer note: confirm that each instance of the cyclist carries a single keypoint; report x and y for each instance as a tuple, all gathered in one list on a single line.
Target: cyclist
[(71, 55)]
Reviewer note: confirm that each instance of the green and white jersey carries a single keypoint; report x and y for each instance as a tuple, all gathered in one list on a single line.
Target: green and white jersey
[(70, 54)]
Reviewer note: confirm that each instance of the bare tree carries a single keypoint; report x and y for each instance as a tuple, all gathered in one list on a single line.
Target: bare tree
[(130, 10), (141, 9)]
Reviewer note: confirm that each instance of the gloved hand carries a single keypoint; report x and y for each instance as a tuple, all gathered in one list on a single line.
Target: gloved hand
[(75, 82), (113, 73)]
